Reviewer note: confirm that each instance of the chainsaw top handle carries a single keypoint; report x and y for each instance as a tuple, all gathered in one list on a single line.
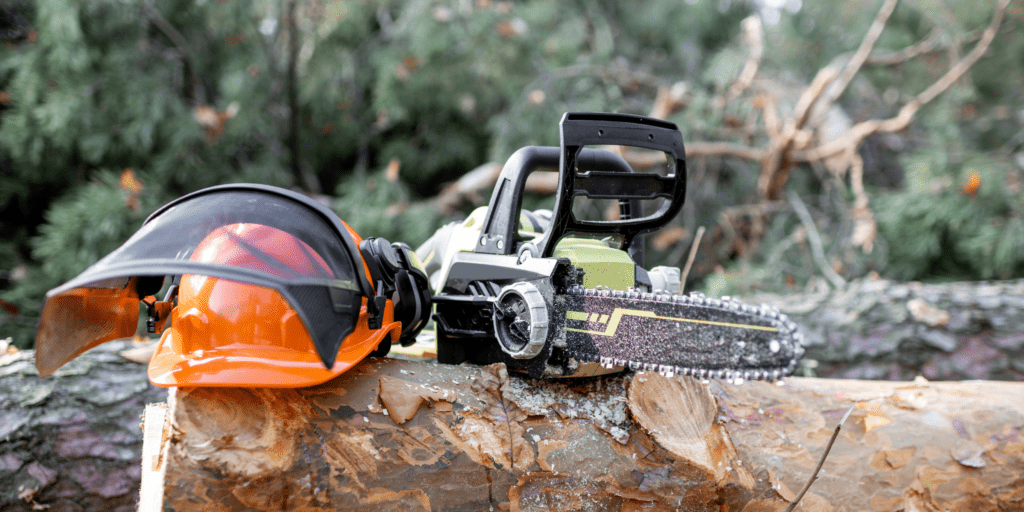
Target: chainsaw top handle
[(594, 173), (499, 234)]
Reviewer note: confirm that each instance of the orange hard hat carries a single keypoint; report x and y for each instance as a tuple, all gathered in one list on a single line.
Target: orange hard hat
[(273, 290), (228, 333)]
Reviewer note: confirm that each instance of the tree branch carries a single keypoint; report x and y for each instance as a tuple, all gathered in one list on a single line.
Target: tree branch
[(866, 46), (753, 32), (815, 241), (900, 56), (821, 461), (902, 119), (690, 258), (777, 161)]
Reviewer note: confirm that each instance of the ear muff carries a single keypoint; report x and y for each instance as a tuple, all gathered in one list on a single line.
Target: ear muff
[(412, 304), (382, 260), (396, 269)]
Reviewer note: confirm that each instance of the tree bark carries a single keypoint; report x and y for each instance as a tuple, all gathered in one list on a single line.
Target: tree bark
[(880, 329), (72, 441), (403, 435)]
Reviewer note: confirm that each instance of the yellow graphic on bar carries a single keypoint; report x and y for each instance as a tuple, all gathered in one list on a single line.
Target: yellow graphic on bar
[(577, 315), (618, 313)]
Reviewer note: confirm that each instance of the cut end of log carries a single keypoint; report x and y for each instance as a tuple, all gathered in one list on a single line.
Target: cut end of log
[(680, 413)]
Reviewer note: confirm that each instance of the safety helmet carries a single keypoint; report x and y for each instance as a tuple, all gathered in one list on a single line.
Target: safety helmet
[(228, 333), (270, 289)]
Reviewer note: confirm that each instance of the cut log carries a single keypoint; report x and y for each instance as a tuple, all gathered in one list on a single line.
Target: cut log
[(403, 435), (879, 329), (72, 441)]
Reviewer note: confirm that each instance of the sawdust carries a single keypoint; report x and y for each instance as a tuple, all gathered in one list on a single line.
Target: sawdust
[(491, 431), (602, 401)]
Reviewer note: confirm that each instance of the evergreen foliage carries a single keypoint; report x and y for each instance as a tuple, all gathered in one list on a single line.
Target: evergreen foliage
[(192, 93)]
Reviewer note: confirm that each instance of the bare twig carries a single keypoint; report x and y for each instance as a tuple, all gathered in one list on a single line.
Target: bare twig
[(815, 240), (865, 228), (802, 112), (777, 161), (770, 106), (921, 47), (814, 475), (866, 45), (667, 101), (754, 35), (929, 44), (689, 259), (862, 130)]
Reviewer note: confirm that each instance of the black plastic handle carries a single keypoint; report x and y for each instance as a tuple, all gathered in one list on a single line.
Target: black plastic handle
[(500, 227), (581, 129)]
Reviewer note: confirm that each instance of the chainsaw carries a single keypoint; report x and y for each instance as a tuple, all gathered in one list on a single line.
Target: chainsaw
[(554, 294)]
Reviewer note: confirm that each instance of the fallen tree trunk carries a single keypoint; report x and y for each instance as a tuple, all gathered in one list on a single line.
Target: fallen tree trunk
[(880, 329), (72, 441), (394, 434)]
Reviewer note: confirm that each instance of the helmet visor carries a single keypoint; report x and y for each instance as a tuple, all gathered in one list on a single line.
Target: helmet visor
[(322, 279)]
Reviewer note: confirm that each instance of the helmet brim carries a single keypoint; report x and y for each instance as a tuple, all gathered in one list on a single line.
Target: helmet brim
[(262, 366)]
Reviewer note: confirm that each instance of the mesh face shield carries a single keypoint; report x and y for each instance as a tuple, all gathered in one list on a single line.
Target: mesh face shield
[(102, 303)]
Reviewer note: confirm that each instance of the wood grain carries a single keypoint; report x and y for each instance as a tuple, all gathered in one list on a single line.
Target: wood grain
[(480, 439)]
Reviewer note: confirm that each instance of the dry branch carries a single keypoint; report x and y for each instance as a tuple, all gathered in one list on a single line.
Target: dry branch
[(777, 161), (863, 52), (791, 139), (689, 259), (862, 130), (753, 33), (821, 462), (921, 47), (815, 241)]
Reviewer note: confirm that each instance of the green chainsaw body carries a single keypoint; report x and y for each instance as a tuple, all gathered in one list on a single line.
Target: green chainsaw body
[(556, 295)]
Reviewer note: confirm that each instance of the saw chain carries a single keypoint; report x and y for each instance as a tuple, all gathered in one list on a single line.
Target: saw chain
[(676, 334)]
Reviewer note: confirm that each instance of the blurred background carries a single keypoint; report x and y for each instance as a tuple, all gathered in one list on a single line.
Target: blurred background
[(827, 141)]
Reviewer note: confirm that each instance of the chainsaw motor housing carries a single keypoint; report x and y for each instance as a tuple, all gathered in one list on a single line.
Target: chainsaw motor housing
[(496, 275)]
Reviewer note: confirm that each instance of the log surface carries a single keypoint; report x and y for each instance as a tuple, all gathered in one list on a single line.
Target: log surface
[(880, 329), (403, 435), (72, 441)]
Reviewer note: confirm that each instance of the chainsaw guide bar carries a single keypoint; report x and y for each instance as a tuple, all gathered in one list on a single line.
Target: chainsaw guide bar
[(677, 334)]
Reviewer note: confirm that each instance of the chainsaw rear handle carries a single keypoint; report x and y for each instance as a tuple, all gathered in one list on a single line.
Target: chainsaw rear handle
[(575, 179), (500, 227)]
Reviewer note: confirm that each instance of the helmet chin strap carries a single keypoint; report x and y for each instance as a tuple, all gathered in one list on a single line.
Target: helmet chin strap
[(158, 312)]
